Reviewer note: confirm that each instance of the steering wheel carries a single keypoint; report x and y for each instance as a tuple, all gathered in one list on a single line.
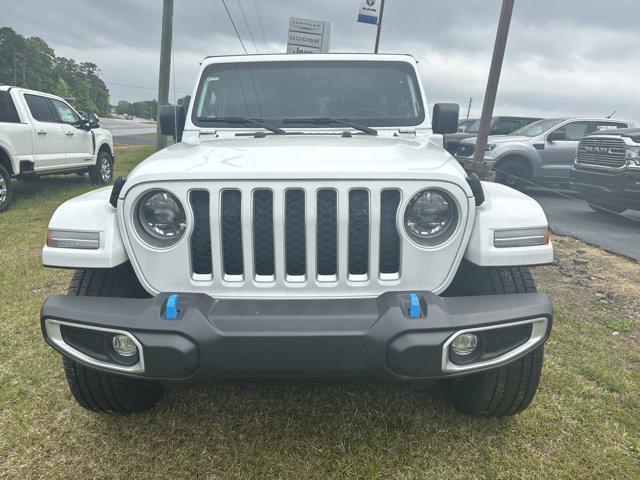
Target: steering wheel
[(364, 111)]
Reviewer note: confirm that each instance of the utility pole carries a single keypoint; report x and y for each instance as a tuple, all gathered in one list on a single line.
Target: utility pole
[(492, 87), (164, 74), (469, 109), (379, 27)]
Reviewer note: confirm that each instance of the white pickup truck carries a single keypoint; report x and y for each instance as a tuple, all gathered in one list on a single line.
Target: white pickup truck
[(42, 134)]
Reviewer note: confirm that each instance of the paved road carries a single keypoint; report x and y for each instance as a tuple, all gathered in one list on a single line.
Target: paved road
[(616, 233), (137, 131)]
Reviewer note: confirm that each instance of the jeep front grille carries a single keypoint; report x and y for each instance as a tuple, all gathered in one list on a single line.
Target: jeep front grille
[(602, 152), (323, 225)]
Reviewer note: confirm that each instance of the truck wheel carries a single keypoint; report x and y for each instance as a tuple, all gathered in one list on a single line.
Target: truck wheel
[(6, 189), (104, 392), (509, 389), (606, 208), (513, 173), (102, 172)]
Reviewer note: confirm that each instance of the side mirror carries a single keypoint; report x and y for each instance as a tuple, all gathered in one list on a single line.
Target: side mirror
[(445, 118), (559, 135), (172, 120)]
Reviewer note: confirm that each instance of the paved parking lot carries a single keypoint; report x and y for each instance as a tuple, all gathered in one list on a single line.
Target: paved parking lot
[(615, 233)]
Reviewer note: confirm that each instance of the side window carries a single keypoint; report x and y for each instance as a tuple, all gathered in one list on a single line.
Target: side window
[(40, 108), (575, 130), (65, 112), (599, 126), (8, 113), (503, 127)]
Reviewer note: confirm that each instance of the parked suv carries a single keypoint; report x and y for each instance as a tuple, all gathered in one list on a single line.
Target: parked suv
[(607, 170), (42, 134), (307, 223), (498, 126), (543, 151)]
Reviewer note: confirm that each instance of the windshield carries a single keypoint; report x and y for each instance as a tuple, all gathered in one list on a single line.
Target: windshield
[(537, 128), (370, 93)]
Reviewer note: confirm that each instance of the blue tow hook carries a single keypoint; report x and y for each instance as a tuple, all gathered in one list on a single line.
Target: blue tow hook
[(414, 306), (171, 310)]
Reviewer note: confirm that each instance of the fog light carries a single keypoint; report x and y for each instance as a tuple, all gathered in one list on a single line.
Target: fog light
[(124, 345), (464, 344)]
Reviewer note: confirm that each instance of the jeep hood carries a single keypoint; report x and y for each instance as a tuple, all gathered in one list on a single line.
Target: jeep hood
[(300, 156)]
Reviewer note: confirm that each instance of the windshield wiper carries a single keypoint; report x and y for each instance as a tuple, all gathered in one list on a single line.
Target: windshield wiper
[(241, 121), (333, 121)]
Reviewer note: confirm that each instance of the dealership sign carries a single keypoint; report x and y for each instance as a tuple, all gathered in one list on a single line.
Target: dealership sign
[(369, 12), (308, 36)]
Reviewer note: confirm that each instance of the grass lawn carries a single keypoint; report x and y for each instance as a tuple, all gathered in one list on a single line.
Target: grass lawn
[(584, 422)]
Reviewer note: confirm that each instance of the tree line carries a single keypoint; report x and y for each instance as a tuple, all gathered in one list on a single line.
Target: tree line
[(31, 63), (146, 108)]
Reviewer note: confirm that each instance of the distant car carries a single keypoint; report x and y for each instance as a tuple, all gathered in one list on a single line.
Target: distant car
[(464, 125), (607, 170), (499, 126), (128, 117), (543, 151)]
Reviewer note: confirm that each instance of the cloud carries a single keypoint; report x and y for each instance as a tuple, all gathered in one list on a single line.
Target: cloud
[(566, 57)]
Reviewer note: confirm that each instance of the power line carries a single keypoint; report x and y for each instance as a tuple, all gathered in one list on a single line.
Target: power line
[(246, 22), (266, 47), (234, 26), (137, 86)]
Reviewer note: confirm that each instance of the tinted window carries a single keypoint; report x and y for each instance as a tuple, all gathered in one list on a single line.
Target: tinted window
[(65, 112), (368, 92), (40, 108), (575, 130), (502, 127), (8, 112)]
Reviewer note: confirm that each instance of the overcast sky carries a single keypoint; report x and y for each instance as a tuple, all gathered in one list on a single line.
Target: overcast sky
[(564, 57)]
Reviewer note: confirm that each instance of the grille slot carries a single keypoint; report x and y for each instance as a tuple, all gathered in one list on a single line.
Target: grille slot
[(201, 237), (602, 152), (358, 232), (389, 237), (231, 221), (263, 233), (294, 234), (327, 233)]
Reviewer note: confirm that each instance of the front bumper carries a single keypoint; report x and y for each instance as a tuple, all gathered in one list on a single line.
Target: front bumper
[(371, 338), (618, 187)]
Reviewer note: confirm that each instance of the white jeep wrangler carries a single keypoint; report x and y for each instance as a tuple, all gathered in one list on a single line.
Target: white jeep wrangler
[(42, 134), (306, 224)]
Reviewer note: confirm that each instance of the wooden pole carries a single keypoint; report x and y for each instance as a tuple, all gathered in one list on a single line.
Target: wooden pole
[(492, 87), (164, 73)]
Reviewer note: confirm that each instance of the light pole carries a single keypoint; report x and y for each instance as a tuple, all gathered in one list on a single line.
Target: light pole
[(165, 67)]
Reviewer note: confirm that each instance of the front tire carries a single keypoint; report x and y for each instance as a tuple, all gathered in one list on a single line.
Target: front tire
[(6, 189), (507, 390), (513, 173), (104, 392), (102, 172)]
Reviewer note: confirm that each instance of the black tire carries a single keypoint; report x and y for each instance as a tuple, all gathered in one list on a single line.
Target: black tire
[(513, 173), (102, 172), (103, 392), (6, 189), (507, 390), (606, 208)]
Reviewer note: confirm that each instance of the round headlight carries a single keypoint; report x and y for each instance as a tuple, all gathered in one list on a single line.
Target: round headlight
[(161, 218), (431, 217)]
